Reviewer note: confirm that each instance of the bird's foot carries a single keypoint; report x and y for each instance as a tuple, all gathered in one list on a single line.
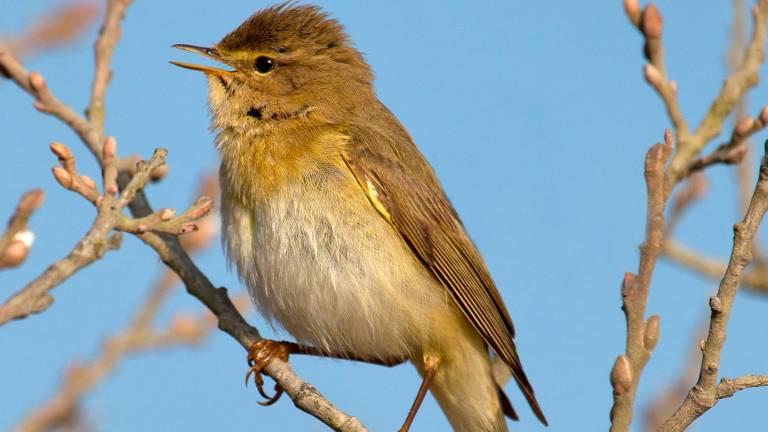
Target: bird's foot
[(260, 355)]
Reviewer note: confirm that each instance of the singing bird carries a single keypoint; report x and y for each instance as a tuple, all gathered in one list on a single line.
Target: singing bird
[(338, 225)]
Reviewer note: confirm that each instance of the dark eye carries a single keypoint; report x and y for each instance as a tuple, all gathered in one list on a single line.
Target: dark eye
[(264, 64)]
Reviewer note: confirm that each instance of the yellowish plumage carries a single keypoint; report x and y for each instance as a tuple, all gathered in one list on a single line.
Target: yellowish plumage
[(334, 273), (338, 225)]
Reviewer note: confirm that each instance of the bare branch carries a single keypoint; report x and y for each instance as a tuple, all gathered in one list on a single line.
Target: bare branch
[(304, 395), (642, 334), (755, 279), (34, 84), (733, 151), (664, 404), (729, 386), (704, 394), (80, 378), (34, 297), (103, 49), (58, 27), (736, 85)]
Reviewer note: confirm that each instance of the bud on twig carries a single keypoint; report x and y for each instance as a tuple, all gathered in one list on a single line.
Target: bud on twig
[(36, 81), (166, 214), (62, 177), (651, 333), (653, 76), (743, 128), (652, 24), (621, 375), (632, 9), (764, 115)]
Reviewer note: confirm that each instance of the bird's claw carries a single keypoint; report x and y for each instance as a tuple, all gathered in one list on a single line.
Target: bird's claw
[(260, 355)]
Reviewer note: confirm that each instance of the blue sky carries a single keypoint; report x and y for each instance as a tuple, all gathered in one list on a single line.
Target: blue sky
[(536, 118)]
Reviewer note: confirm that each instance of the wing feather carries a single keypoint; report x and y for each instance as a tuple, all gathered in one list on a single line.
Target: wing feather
[(403, 188)]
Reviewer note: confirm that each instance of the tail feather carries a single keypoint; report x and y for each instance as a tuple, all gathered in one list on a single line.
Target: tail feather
[(506, 405)]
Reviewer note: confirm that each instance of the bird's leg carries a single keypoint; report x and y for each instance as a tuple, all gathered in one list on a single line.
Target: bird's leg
[(431, 365), (264, 351), (295, 348)]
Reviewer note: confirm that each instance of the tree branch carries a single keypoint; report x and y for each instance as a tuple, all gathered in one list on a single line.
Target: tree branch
[(735, 86), (642, 334), (704, 394), (755, 279), (304, 395), (139, 336)]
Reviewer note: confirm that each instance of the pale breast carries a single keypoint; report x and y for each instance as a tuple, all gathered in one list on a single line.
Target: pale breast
[(320, 260)]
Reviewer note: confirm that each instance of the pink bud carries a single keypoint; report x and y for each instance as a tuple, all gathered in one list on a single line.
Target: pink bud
[(167, 214), (652, 24), (632, 9), (110, 148), (652, 75), (14, 254), (62, 176), (743, 127), (764, 115), (36, 81), (651, 333), (60, 150), (621, 375)]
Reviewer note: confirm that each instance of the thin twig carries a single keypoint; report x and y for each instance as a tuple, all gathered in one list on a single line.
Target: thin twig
[(651, 25), (103, 49), (642, 334), (34, 297), (736, 85), (80, 378), (304, 395), (755, 279), (704, 394), (60, 26), (664, 404)]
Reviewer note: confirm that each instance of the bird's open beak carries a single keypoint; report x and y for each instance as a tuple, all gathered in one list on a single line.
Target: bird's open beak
[(211, 53)]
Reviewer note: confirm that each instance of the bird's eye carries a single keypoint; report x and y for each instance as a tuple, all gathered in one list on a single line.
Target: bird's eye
[(264, 64)]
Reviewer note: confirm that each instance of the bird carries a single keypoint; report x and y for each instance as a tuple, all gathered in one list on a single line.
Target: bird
[(338, 225)]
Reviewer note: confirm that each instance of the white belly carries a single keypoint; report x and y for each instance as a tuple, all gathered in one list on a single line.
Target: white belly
[(332, 271)]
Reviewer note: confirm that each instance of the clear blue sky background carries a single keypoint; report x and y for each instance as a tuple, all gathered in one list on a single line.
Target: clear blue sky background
[(534, 114)]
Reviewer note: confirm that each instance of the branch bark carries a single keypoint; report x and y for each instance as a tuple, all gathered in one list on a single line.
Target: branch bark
[(642, 334), (705, 393)]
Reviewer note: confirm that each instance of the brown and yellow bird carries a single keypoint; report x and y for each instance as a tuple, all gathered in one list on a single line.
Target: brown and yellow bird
[(339, 226)]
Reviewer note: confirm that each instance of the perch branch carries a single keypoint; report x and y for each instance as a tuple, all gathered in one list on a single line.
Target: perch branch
[(303, 394)]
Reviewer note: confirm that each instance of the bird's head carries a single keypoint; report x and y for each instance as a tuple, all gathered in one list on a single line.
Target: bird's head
[(285, 62)]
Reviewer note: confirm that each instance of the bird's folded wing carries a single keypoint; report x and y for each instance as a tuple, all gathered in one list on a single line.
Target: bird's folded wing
[(403, 188)]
